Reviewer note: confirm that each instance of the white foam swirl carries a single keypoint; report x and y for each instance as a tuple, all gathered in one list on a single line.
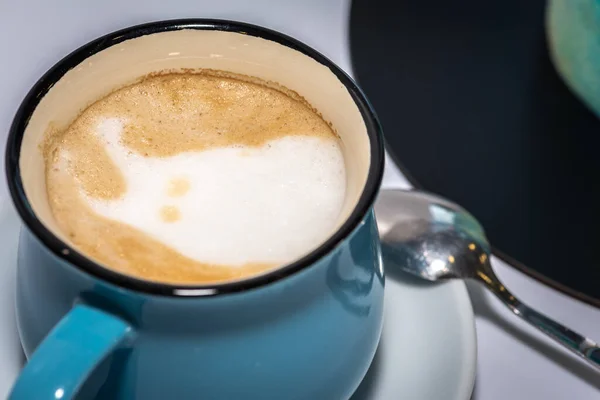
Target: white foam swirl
[(268, 204)]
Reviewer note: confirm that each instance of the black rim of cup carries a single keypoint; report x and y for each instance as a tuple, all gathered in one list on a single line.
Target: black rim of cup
[(78, 260)]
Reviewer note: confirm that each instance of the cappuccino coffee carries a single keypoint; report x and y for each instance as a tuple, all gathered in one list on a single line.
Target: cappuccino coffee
[(196, 177)]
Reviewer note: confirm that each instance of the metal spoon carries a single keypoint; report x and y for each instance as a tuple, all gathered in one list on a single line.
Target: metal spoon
[(435, 239)]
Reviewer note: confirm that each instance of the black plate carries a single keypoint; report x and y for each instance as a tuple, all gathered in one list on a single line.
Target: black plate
[(474, 110)]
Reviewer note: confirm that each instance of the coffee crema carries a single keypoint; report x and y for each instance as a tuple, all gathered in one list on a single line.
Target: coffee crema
[(196, 177)]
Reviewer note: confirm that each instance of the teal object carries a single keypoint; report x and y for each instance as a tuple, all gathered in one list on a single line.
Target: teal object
[(86, 335), (573, 30), (308, 330), (309, 336)]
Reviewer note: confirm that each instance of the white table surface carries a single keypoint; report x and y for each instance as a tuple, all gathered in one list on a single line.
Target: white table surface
[(514, 362)]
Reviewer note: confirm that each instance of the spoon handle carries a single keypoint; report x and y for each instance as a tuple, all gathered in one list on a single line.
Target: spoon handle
[(578, 344)]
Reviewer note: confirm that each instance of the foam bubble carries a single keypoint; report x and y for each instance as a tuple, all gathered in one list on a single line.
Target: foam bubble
[(233, 205)]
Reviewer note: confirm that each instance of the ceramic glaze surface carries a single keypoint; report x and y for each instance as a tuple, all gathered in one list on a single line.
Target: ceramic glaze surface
[(256, 344)]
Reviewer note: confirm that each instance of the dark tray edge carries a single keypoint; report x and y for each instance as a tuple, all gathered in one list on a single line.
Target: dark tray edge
[(505, 257)]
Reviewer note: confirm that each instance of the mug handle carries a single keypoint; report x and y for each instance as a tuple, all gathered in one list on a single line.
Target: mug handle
[(69, 353)]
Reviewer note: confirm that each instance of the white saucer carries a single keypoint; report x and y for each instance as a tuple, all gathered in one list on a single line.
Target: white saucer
[(428, 346)]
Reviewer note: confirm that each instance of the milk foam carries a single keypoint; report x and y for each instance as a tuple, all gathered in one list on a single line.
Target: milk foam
[(230, 205)]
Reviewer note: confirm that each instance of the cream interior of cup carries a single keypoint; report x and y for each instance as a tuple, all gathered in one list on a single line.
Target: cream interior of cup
[(239, 53)]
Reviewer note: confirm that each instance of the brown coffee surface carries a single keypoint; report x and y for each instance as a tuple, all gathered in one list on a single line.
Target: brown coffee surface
[(164, 115)]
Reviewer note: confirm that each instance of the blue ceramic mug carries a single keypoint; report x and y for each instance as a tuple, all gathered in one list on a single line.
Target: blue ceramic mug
[(308, 330)]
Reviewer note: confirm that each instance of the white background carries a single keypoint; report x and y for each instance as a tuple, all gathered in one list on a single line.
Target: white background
[(515, 362)]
